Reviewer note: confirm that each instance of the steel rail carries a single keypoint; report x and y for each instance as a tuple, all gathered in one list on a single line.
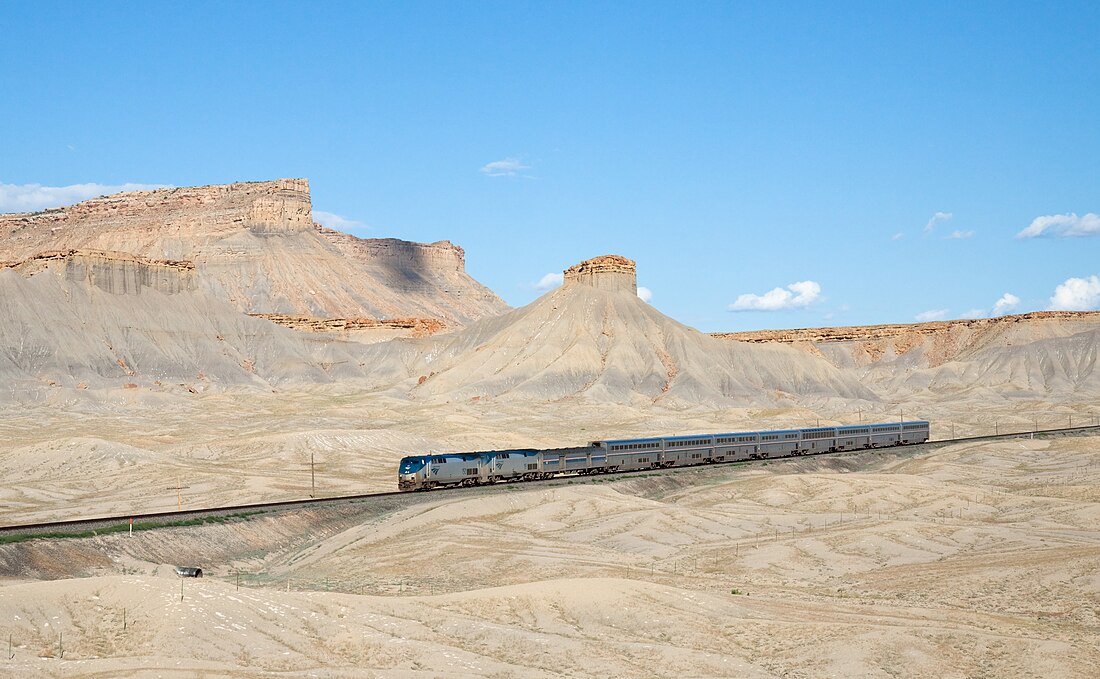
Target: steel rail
[(170, 517)]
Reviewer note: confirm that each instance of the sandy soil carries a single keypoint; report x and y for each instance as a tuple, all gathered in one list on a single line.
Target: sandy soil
[(974, 560), (127, 453)]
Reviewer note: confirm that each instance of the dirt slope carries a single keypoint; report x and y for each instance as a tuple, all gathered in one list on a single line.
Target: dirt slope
[(104, 320), (595, 337), (1036, 355)]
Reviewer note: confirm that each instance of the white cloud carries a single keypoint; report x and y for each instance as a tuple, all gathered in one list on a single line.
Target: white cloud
[(32, 197), (1063, 226), (645, 294), (1077, 294), (550, 280), (1006, 304), (794, 296), (508, 167), (898, 236), (335, 221), (932, 315), (938, 217), (955, 235)]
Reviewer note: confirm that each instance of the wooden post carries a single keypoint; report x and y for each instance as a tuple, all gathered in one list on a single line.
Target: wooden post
[(123, 619), (60, 645), (312, 477), (181, 589), (238, 581)]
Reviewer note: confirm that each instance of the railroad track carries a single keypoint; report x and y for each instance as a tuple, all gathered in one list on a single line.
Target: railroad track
[(92, 526)]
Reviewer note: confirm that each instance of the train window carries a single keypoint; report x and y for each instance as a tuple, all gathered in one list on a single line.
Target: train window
[(439, 460), (471, 471), (532, 465), (504, 456)]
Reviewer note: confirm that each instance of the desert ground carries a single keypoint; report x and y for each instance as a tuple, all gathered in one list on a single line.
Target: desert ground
[(964, 560), (135, 453)]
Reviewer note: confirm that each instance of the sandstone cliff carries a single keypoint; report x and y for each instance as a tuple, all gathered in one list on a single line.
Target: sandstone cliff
[(255, 246), (607, 272)]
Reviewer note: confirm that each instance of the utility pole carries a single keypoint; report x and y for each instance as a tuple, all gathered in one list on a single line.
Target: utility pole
[(312, 477)]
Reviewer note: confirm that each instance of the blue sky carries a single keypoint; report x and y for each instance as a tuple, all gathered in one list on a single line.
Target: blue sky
[(789, 155)]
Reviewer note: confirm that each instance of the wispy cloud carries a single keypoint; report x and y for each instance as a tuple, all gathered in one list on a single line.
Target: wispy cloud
[(975, 313), (794, 296), (31, 197), (898, 236), (645, 294), (957, 235), (508, 167), (335, 221), (1063, 226), (1077, 294), (550, 281), (932, 315), (936, 218)]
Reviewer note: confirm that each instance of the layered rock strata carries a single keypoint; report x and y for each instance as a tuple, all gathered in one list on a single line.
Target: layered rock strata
[(606, 272), (877, 332), (255, 245)]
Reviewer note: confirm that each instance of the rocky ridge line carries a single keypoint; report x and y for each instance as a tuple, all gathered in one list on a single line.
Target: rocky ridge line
[(868, 332)]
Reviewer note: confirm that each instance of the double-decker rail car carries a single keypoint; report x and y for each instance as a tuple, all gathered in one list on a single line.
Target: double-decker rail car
[(425, 472)]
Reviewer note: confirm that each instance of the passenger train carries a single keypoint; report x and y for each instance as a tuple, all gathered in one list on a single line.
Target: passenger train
[(425, 472)]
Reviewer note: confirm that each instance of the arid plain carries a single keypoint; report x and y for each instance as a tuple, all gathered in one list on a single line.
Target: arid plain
[(160, 350)]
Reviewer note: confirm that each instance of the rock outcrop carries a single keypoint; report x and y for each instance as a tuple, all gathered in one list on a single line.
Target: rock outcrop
[(255, 245), (606, 272), (115, 272), (893, 331)]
